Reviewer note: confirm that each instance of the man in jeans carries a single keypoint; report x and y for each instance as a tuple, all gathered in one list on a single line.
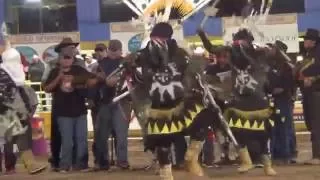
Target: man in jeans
[(281, 86), (110, 115)]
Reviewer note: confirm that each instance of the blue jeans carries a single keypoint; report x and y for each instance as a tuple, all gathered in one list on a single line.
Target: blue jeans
[(74, 131), (283, 143), (111, 117)]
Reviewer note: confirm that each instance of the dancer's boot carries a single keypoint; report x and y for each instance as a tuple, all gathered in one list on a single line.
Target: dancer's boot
[(166, 172), (33, 166), (191, 158), (268, 170), (245, 161)]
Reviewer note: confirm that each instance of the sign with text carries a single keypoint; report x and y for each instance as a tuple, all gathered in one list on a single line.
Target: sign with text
[(276, 27), (43, 38)]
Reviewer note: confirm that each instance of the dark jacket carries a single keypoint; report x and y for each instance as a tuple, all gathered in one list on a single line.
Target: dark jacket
[(281, 76), (312, 70), (106, 93)]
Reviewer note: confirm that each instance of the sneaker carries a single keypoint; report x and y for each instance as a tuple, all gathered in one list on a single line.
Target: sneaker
[(10, 171), (85, 170), (64, 171), (207, 165), (258, 165), (123, 165), (293, 161), (81, 169), (179, 166), (100, 168)]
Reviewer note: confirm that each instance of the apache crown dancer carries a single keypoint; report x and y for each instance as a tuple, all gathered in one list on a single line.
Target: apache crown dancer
[(175, 107), (18, 104), (249, 112)]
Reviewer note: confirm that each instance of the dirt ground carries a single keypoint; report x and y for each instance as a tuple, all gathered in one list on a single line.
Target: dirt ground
[(139, 159)]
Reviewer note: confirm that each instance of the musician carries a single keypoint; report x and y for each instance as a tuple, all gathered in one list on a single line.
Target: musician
[(308, 76), (281, 86), (248, 111), (66, 82), (111, 116), (55, 141)]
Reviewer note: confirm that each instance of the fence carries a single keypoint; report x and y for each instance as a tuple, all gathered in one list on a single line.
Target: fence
[(43, 97)]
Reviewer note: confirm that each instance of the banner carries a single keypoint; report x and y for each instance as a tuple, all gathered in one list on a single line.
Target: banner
[(277, 27)]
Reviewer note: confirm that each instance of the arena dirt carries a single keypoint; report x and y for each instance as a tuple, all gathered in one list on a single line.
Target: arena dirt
[(138, 159)]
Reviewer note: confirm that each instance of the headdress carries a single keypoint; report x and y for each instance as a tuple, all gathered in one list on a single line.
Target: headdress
[(11, 60), (150, 15)]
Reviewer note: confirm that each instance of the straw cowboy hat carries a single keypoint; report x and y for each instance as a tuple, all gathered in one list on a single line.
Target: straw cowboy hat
[(67, 41)]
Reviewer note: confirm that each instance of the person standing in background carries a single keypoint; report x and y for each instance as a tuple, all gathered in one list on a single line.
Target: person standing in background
[(8, 155), (90, 63), (110, 115), (281, 86), (55, 141), (70, 111), (309, 82), (36, 70), (94, 94)]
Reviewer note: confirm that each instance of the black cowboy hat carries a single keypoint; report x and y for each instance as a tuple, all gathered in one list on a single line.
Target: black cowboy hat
[(312, 34), (67, 41)]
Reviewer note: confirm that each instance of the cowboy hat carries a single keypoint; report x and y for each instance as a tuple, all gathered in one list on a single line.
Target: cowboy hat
[(67, 41), (312, 34)]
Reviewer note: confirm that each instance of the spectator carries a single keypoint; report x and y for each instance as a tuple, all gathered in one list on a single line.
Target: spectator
[(72, 122), (25, 65), (90, 63), (110, 115), (308, 74), (282, 89), (36, 69)]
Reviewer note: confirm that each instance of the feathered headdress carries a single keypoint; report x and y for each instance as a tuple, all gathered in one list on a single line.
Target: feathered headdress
[(152, 12)]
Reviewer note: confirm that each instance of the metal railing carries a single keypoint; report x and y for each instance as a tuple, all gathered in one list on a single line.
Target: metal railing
[(44, 98)]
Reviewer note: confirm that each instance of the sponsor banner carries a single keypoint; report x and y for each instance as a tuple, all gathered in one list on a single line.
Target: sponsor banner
[(43, 38), (277, 27)]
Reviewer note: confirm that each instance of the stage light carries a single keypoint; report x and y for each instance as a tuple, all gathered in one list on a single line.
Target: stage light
[(199, 50), (299, 58), (33, 1)]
